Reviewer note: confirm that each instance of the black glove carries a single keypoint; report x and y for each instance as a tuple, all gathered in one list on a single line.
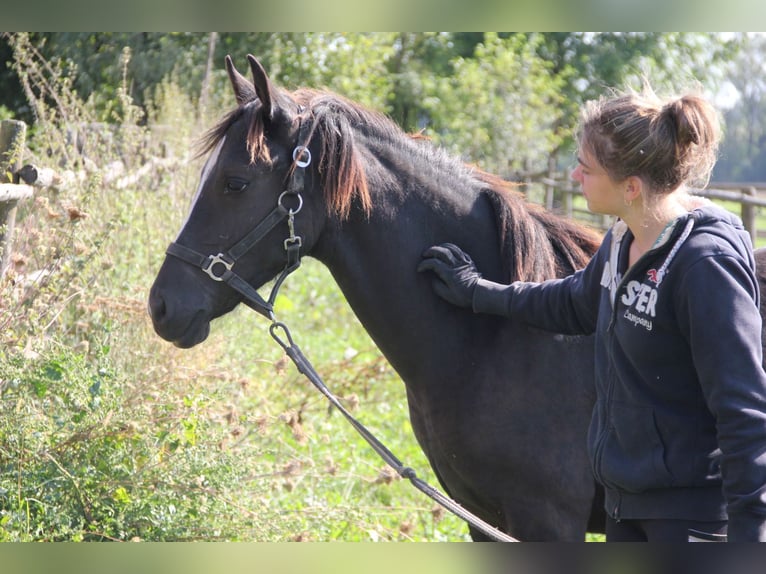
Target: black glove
[(456, 273)]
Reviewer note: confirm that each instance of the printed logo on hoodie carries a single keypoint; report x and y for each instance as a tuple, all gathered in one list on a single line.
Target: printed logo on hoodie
[(640, 299)]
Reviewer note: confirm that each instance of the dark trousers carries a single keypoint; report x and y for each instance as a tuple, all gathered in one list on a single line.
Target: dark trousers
[(664, 531)]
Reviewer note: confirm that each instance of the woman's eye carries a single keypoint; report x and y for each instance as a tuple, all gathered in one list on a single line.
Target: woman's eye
[(236, 186)]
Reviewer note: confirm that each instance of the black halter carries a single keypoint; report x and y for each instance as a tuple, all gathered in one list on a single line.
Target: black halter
[(219, 267)]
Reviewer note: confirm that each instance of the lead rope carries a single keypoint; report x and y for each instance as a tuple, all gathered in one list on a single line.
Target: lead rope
[(305, 367)]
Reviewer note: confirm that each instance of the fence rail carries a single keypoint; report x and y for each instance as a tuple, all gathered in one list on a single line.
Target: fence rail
[(19, 182), (559, 194)]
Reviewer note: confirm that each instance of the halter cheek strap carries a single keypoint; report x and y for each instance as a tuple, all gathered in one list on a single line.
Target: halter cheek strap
[(220, 267)]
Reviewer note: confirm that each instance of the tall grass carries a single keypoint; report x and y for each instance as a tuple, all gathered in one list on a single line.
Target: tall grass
[(108, 432)]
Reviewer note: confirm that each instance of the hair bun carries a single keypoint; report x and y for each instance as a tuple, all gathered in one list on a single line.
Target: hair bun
[(687, 114)]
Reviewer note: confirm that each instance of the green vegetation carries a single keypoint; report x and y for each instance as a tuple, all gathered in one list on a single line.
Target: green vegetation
[(108, 432)]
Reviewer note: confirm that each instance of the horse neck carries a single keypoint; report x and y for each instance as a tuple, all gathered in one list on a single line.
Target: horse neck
[(374, 258)]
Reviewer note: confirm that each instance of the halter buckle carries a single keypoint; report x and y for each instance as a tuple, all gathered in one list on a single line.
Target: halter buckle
[(213, 260)]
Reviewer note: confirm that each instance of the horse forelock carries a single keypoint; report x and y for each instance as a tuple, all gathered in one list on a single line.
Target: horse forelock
[(332, 120), (255, 139)]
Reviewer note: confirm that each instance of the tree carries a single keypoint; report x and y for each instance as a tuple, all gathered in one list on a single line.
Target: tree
[(591, 64), (499, 108), (743, 152), (481, 95)]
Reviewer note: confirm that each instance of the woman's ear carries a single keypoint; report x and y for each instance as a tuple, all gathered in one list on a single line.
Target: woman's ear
[(634, 187)]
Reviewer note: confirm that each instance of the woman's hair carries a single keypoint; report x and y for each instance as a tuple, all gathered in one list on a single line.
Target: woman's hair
[(667, 143)]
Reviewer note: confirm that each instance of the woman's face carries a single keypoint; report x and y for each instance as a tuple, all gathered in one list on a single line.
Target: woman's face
[(603, 194)]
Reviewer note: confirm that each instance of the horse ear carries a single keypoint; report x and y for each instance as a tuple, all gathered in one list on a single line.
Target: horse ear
[(243, 89), (262, 85)]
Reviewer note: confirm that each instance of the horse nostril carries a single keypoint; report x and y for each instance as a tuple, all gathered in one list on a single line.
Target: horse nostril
[(157, 307)]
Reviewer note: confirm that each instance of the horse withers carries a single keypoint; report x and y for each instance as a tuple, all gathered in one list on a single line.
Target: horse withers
[(500, 410)]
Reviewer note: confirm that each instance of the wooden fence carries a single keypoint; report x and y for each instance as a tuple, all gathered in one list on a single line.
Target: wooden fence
[(558, 194), (19, 182), (12, 140)]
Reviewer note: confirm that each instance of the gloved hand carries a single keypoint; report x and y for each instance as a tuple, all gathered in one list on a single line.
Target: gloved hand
[(456, 273)]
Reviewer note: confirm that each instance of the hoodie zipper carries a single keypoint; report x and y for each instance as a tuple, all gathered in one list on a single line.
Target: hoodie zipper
[(632, 271)]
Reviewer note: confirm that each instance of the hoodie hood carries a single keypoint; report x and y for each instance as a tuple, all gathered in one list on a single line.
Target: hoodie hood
[(723, 224)]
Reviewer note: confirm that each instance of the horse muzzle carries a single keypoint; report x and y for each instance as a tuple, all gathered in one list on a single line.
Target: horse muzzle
[(177, 315)]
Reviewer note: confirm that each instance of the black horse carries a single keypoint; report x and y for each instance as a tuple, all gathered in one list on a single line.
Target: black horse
[(500, 410)]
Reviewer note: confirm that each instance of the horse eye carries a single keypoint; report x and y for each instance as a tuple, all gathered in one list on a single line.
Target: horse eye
[(236, 186)]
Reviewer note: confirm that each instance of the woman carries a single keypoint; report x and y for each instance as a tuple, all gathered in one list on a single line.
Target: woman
[(678, 434)]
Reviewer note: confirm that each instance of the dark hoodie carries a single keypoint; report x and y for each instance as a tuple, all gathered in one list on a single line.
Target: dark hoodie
[(679, 426)]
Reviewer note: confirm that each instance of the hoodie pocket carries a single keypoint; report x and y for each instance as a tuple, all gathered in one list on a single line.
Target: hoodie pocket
[(633, 455)]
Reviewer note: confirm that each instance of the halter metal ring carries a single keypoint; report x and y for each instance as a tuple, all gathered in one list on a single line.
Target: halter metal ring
[(300, 201), (299, 152), (213, 260)]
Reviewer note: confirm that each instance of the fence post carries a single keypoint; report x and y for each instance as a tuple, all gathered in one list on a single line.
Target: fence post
[(749, 213), (568, 190), (527, 180), (12, 137), (550, 188)]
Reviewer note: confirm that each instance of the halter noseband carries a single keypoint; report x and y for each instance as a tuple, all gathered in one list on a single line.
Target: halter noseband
[(219, 267)]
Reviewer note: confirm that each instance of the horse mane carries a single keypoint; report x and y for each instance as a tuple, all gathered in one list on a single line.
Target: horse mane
[(535, 244)]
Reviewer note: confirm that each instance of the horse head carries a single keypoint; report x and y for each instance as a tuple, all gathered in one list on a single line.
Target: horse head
[(254, 189)]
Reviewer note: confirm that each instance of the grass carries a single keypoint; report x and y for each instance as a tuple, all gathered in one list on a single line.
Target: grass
[(135, 439)]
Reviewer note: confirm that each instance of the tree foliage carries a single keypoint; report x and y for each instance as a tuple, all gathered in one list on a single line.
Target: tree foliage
[(743, 157), (481, 95), (499, 107)]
